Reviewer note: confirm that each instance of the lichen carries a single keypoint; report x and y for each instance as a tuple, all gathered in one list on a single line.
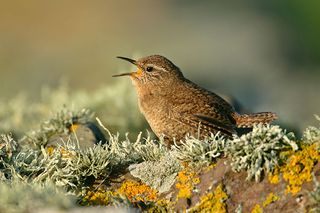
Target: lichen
[(98, 197), (257, 209), (187, 179), (267, 150), (63, 122), (298, 169), (273, 176), (312, 134), (136, 191), (270, 199), (258, 152), (18, 196), (8, 148), (160, 174), (198, 152), (161, 206), (212, 202), (210, 167), (66, 166)]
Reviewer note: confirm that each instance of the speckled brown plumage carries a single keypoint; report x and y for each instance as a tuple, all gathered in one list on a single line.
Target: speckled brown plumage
[(174, 106)]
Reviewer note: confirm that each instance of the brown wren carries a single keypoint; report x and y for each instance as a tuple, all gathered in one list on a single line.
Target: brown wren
[(175, 106)]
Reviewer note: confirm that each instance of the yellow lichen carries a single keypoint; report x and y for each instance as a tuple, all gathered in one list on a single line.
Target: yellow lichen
[(186, 181), (64, 153), (212, 202), (196, 180), (274, 176), (210, 167), (50, 150), (136, 191), (298, 169), (74, 127), (270, 199), (162, 205), (257, 209), (98, 197)]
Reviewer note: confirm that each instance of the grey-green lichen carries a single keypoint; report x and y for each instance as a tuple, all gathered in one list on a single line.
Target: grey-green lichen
[(259, 151), (65, 166), (199, 151), (70, 166), (160, 174), (312, 134), (58, 124), (18, 196), (8, 149)]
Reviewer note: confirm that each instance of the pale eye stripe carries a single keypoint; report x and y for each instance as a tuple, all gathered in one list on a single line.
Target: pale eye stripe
[(157, 67)]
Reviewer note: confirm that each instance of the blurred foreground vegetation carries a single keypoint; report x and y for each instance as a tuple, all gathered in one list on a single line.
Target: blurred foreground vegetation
[(115, 105)]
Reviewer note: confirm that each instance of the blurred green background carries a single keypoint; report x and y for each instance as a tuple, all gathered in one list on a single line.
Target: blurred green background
[(266, 54)]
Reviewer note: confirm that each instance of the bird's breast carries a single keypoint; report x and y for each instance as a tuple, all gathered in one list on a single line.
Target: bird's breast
[(150, 103)]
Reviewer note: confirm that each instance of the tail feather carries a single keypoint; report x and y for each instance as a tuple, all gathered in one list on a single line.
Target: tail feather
[(248, 120)]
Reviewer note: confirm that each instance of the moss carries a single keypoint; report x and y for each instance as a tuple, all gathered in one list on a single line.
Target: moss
[(212, 201), (136, 191), (257, 209), (186, 182), (298, 169), (270, 199)]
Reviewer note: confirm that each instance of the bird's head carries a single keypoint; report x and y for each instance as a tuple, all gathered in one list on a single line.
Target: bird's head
[(154, 70)]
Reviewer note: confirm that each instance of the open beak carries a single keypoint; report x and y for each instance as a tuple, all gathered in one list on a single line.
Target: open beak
[(132, 61), (123, 74)]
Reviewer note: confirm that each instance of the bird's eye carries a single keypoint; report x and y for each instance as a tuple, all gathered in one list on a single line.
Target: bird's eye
[(149, 69)]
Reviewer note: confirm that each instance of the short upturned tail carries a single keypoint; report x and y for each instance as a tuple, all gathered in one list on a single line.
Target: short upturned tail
[(248, 120)]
